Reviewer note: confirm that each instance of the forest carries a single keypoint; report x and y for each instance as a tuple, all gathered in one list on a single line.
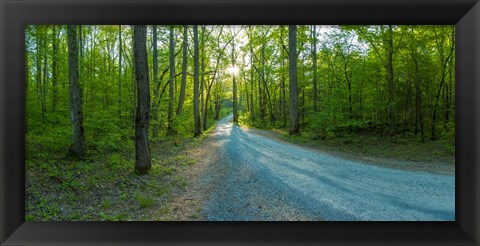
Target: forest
[(112, 110)]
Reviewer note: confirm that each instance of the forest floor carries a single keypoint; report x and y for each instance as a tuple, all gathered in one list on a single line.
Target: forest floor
[(250, 174), (103, 186)]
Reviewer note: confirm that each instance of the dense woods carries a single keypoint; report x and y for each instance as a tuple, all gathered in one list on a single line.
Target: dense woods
[(98, 89)]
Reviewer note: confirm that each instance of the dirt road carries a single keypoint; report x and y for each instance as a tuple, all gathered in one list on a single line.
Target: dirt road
[(251, 177)]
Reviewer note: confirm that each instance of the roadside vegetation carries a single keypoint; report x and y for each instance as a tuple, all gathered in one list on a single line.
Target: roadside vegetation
[(406, 148), (103, 186)]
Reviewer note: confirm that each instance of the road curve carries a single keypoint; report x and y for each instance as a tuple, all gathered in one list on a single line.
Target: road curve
[(259, 179)]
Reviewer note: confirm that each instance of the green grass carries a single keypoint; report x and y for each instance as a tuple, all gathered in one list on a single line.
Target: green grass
[(408, 148), (103, 186), (144, 201)]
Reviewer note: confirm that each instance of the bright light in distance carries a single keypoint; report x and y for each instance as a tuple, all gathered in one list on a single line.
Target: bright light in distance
[(233, 70)]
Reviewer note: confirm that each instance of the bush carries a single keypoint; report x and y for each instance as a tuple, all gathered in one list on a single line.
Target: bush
[(115, 160), (183, 124), (351, 126)]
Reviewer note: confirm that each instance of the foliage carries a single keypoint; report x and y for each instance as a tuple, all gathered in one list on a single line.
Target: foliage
[(103, 186)]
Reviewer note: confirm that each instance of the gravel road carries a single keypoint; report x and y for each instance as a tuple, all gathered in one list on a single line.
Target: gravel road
[(256, 178)]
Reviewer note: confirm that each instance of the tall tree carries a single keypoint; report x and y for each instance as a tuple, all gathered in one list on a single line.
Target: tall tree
[(184, 71), (282, 80), (27, 73), (120, 71), (155, 82), (77, 149), (235, 103), (54, 69), (252, 90), (142, 145), (196, 113), (292, 61), (202, 72), (391, 102), (171, 86), (314, 58), (43, 93), (38, 63), (80, 40)]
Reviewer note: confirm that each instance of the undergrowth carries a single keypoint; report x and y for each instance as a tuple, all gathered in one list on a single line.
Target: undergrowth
[(407, 148), (102, 186)]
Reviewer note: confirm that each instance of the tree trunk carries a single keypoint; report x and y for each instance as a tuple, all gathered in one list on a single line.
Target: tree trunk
[(407, 103), (54, 69), (184, 71), (235, 103), (155, 82), (261, 88), (27, 82), (77, 149), (44, 83), (448, 92), (303, 106), (418, 103), (196, 113), (38, 70), (349, 86), (120, 72), (391, 101), (80, 40), (252, 89), (207, 100), (247, 93), (202, 75), (217, 101), (314, 58), (171, 86), (133, 102), (142, 145), (283, 102), (292, 46)]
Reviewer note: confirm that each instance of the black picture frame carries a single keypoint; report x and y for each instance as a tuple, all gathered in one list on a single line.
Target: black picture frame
[(15, 14)]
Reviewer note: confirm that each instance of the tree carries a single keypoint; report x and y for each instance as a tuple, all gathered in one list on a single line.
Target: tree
[(155, 82), (314, 66), (220, 49), (43, 90), (120, 71), (283, 95), (77, 149), (196, 113), (292, 59), (391, 102), (142, 145), (54, 69), (184, 71), (202, 73), (27, 73), (444, 60), (171, 86), (233, 72)]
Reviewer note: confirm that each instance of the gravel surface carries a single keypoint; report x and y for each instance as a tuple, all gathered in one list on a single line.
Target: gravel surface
[(256, 178)]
